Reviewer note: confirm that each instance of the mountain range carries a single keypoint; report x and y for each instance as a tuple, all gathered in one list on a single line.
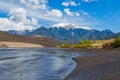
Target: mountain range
[(66, 33)]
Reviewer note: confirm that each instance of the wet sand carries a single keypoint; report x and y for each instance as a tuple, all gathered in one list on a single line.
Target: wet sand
[(104, 65)]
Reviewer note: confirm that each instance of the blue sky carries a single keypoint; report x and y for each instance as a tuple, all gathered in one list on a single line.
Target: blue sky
[(31, 14)]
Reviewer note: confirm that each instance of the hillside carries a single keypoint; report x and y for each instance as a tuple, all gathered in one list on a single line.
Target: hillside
[(44, 41)]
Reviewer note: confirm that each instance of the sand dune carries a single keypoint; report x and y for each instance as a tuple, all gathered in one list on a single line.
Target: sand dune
[(18, 44), (26, 41)]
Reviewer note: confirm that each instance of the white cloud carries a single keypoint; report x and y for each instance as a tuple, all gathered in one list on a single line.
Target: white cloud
[(55, 13), (70, 3), (65, 3), (35, 4), (89, 1), (69, 13), (17, 21), (18, 14)]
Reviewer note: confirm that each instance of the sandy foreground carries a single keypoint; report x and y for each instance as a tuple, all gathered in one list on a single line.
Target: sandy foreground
[(104, 65), (18, 44)]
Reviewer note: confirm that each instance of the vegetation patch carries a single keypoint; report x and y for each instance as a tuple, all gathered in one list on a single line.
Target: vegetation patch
[(111, 43), (81, 44), (114, 44)]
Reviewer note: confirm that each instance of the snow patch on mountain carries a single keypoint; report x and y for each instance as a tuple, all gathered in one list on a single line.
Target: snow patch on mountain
[(86, 27), (70, 25), (64, 25)]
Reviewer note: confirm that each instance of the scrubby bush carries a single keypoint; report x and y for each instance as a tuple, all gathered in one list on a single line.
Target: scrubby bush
[(64, 45), (81, 44), (106, 45), (116, 43), (85, 42)]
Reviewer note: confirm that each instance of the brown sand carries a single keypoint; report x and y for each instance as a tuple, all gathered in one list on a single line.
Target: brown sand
[(18, 44), (44, 41), (104, 66), (3, 45)]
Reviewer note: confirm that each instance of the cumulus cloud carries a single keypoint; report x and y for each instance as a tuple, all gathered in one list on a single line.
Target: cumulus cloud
[(55, 13), (17, 21), (70, 3), (35, 4), (18, 14), (69, 13)]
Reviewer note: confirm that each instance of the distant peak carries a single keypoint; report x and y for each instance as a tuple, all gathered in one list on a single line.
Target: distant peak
[(70, 25), (64, 25)]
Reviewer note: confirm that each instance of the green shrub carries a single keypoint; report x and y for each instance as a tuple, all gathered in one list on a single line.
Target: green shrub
[(64, 45), (116, 43), (81, 44), (84, 42)]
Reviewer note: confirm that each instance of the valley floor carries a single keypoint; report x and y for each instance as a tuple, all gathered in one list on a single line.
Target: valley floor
[(104, 65), (18, 44)]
